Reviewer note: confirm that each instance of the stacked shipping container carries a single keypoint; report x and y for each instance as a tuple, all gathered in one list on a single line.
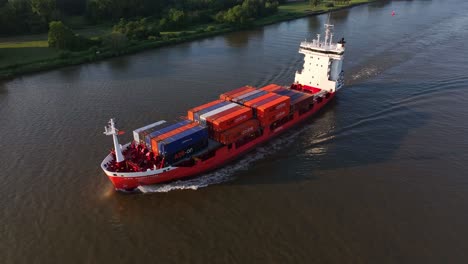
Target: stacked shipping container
[(236, 93), (183, 144), (173, 141), (140, 133), (247, 128), (300, 101), (191, 112), (154, 141), (273, 110), (228, 120)]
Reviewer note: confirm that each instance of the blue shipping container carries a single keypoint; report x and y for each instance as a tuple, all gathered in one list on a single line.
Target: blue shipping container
[(242, 96), (165, 130), (211, 108), (287, 92), (182, 140), (251, 97), (295, 96)]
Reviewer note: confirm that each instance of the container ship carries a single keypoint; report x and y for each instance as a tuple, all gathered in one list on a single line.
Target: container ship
[(221, 131)]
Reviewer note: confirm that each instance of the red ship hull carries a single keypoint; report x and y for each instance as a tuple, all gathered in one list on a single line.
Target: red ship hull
[(223, 155)]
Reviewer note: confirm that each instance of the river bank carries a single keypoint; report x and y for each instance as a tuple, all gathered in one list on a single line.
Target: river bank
[(22, 57)]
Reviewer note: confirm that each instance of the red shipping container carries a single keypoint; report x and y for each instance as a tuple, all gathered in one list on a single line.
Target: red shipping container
[(232, 96), (303, 101), (266, 100), (258, 99), (191, 112), (270, 88), (235, 133), (283, 102), (232, 119), (155, 140), (266, 120), (238, 90)]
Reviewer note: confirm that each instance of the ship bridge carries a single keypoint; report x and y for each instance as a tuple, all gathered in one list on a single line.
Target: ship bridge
[(323, 61)]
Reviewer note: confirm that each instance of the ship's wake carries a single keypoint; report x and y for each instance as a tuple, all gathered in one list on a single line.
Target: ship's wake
[(227, 173)]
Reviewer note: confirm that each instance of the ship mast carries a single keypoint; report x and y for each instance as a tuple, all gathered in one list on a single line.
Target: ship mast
[(110, 130)]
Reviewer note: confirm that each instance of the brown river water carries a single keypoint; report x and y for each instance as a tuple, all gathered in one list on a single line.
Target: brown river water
[(379, 176)]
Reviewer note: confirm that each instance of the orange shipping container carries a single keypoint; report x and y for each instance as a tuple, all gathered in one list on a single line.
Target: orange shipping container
[(155, 140), (232, 96), (283, 102), (258, 99), (191, 112), (266, 120), (210, 119), (235, 133), (238, 90), (270, 88), (232, 119)]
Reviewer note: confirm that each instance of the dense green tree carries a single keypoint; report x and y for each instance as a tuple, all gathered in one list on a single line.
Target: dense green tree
[(44, 8), (176, 17), (62, 37), (315, 2), (116, 41), (30, 16), (248, 10), (138, 29), (72, 7), (16, 17)]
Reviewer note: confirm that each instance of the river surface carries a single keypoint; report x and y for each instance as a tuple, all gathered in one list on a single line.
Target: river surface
[(379, 176)]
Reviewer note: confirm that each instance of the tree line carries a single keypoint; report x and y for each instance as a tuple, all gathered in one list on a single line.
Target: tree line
[(34, 16)]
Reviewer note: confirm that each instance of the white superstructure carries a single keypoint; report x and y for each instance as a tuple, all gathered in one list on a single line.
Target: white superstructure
[(323, 62)]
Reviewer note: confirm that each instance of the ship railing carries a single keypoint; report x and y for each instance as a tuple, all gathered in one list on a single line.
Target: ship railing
[(320, 45)]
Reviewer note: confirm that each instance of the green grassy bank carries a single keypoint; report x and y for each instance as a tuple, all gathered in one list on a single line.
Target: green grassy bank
[(29, 54)]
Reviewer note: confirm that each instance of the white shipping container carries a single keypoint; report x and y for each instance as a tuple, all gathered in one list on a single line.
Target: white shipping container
[(136, 132), (216, 111)]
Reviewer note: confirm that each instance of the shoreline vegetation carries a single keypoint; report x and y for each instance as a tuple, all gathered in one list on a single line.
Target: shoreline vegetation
[(32, 53)]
